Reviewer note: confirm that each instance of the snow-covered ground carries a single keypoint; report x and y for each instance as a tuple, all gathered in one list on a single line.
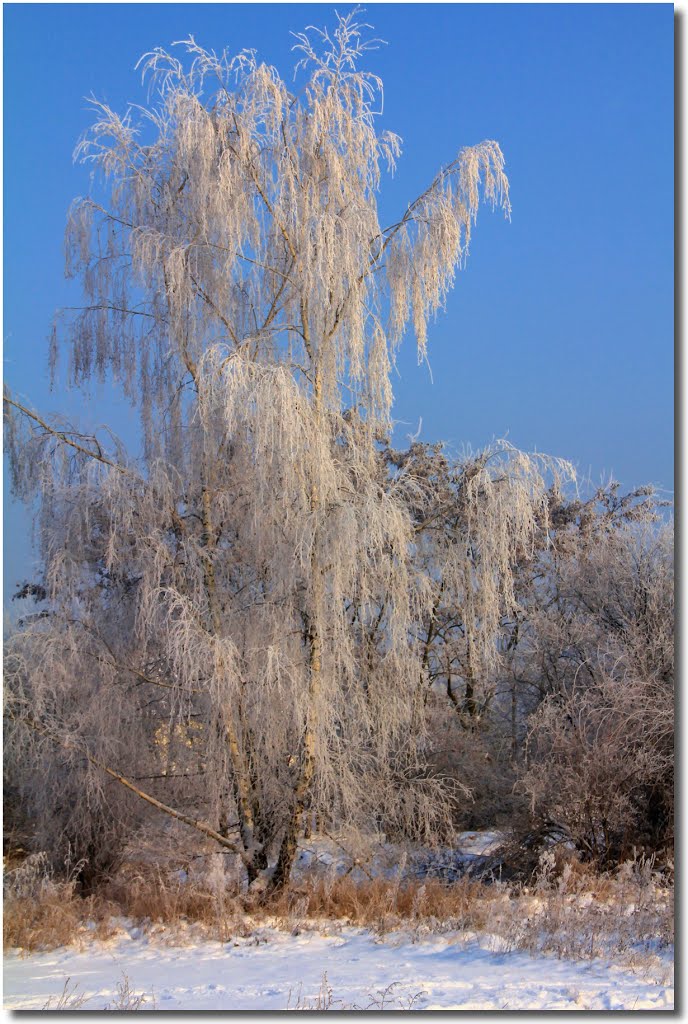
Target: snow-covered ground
[(330, 965), (274, 970)]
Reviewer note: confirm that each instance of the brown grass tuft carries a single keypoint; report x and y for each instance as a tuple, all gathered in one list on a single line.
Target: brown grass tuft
[(385, 904), (152, 897), (57, 918)]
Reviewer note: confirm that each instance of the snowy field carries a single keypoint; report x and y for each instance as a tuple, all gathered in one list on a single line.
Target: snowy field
[(325, 964), (274, 970)]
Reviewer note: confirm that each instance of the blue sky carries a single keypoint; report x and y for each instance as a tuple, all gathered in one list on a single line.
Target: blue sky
[(558, 333)]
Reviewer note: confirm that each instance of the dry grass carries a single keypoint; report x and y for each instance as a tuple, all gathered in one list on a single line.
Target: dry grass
[(380, 904), (125, 1001), (384, 905), (570, 911), (128, 1001), (68, 999), (575, 913), (51, 914), (324, 999), (56, 919), (42, 913), (582, 914), (150, 897)]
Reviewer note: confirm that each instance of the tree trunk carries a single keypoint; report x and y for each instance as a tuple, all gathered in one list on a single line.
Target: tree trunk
[(302, 790), (240, 776)]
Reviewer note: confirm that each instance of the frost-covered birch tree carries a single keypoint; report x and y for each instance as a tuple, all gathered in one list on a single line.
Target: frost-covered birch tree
[(207, 604)]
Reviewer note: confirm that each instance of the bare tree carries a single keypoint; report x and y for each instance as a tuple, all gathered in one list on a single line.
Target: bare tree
[(204, 607)]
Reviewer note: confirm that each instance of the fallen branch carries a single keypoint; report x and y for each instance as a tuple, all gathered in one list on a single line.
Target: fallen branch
[(200, 826)]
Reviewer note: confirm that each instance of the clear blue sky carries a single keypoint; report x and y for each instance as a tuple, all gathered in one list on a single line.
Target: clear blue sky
[(560, 330)]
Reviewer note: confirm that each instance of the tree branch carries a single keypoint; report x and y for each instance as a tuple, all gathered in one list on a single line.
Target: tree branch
[(62, 436), (200, 826)]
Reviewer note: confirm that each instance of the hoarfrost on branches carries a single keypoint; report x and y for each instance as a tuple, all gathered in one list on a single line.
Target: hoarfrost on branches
[(233, 626)]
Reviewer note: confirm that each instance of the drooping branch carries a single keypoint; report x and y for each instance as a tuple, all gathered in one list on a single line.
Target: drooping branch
[(63, 436)]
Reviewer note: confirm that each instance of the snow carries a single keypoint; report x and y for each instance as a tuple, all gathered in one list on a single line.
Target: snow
[(273, 970), (470, 852)]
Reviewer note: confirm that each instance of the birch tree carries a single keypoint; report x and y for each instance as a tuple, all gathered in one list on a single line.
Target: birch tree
[(240, 288)]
